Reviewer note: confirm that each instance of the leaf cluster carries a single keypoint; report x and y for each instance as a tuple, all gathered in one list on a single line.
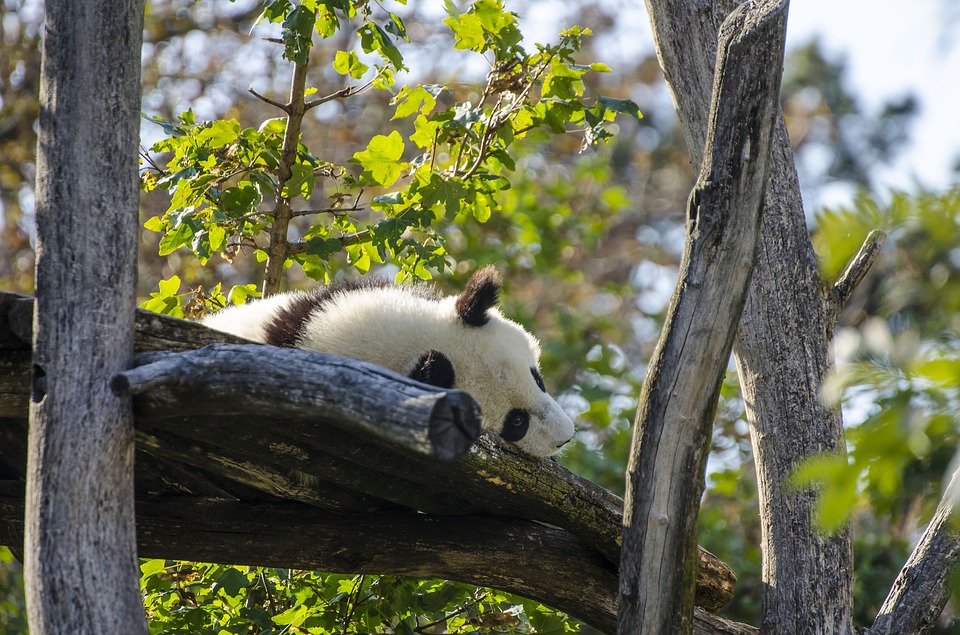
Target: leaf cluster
[(898, 374), (212, 599), (227, 182)]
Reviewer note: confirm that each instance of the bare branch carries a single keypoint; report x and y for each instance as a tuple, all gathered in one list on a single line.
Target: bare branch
[(922, 588), (284, 107), (277, 249), (347, 91), (857, 268), (340, 94), (336, 211)]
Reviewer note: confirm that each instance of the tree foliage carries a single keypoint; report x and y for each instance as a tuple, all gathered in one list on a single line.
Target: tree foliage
[(452, 161), (202, 599)]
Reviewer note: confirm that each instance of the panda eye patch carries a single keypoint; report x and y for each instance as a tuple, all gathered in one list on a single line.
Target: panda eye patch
[(515, 425), (537, 378)]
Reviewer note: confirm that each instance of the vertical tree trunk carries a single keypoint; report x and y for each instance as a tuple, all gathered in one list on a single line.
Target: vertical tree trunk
[(671, 440), (80, 558), (781, 351)]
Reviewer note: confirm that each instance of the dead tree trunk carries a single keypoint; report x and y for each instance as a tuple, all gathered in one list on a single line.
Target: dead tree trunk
[(781, 351), (80, 546), (674, 421)]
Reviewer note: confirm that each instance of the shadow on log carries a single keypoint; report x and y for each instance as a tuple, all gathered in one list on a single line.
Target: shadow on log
[(262, 456)]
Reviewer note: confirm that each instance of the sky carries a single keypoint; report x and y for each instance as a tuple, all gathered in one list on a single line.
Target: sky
[(893, 47)]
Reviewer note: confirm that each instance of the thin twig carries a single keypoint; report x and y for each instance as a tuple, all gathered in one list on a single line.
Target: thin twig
[(353, 604), (355, 238), (284, 107), (336, 211), (343, 93)]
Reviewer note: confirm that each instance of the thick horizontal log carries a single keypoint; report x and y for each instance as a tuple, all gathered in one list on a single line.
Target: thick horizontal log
[(230, 380), (543, 563), (197, 447)]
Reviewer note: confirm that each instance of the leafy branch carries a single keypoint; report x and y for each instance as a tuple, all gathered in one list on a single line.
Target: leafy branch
[(230, 187)]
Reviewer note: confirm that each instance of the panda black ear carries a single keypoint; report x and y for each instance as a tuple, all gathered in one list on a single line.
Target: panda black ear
[(434, 368), (480, 295)]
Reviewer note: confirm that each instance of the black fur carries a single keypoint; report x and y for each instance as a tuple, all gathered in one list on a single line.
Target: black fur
[(537, 377), (435, 369), (481, 294), (286, 327), (515, 425)]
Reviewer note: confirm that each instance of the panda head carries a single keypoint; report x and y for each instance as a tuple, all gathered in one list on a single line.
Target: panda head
[(497, 362)]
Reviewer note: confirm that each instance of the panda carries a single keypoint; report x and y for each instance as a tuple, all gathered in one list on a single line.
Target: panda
[(460, 341)]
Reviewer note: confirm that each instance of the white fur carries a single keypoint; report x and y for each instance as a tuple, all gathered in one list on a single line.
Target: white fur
[(393, 327)]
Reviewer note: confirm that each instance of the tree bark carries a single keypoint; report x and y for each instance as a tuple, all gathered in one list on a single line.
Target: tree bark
[(228, 381), (80, 564), (781, 351), (665, 479), (278, 249)]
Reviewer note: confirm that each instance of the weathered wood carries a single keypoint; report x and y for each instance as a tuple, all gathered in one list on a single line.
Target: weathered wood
[(671, 441), (154, 332), (839, 294), (80, 535), (781, 351), (263, 458), (265, 381), (544, 563), (922, 587)]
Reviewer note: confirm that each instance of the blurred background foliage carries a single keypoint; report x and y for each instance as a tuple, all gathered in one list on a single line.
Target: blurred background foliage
[(589, 246)]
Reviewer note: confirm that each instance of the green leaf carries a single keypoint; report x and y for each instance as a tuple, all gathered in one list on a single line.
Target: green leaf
[(347, 63), (152, 567), (293, 616), (217, 236), (837, 481), (181, 236), (468, 31), (297, 34), (492, 16), (155, 224), (396, 27), (232, 581), (301, 182), (375, 39), (240, 200), (166, 300), (381, 160), (169, 129), (420, 99), (240, 292), (323, 247), (219, 133), (625, 106), (326, 23)]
